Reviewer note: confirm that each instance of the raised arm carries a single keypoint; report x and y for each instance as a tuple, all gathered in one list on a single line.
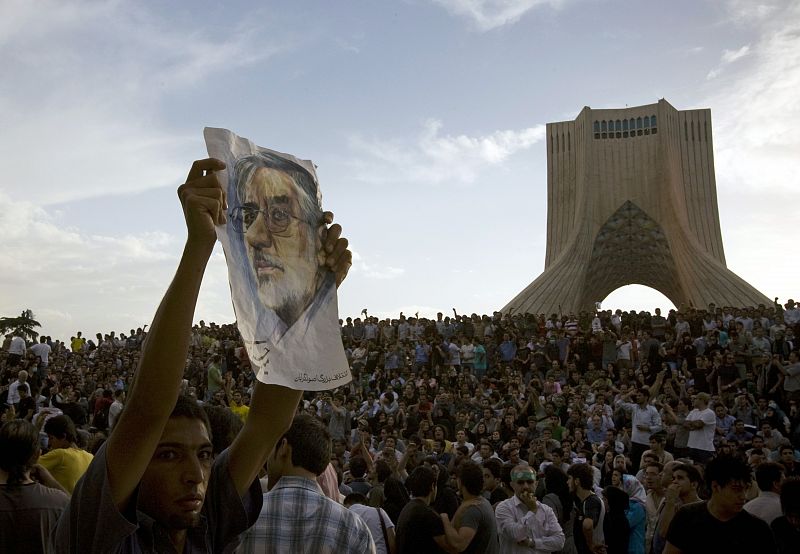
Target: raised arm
[(158, 376)]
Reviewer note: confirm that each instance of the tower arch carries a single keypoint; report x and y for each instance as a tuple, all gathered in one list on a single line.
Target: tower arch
[(638, 209)]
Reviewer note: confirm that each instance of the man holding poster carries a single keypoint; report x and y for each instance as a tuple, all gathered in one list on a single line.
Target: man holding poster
[(155, 485)]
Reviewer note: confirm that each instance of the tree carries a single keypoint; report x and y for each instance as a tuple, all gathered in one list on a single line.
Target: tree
[(22, 325)]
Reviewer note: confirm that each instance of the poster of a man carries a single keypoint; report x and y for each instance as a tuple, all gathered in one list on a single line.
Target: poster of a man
[(282, 294)]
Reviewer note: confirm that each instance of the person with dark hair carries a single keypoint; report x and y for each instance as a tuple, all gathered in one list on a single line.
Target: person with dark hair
[(473, 528), (523, 523), (492, 487), (682, 490), (28, 510), (616, 528), (767, 505), (395, 497), (115, 409), (420, 529), (720, 524), (646, 420), (560, 500), (155, 484), (26, 406), (358, 470), (382, 470), (65, 460), (224, 426), (446, 501), (786, 528), (588, 530), (381, 527), (296, 516)]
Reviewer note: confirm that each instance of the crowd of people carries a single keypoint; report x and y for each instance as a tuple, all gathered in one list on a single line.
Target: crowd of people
[(614, 418), (602, 432)]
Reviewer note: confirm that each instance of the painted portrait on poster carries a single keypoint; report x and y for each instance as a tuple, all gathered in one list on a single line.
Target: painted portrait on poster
[(283, 295)]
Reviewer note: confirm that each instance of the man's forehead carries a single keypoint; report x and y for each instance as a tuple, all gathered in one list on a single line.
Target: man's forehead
[(184, 431), (273, 184)]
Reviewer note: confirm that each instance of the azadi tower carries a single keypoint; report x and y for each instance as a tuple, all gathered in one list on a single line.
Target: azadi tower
[(632, 198)]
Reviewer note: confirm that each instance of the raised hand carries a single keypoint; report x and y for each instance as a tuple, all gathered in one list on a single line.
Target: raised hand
[(337, 257), (203, 200)]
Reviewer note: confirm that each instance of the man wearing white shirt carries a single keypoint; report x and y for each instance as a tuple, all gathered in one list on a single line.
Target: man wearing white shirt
[(645, 422), (13, 388), (791, 313), (701, 423), (16, 350), (524, 524), (767, 505), (461, 440), (42, 350)]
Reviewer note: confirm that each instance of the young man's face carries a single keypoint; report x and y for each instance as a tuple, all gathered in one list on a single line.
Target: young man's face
[(282, 247), (571, 484), (731, 497), (489, 482), (652, 477), (173, 487)]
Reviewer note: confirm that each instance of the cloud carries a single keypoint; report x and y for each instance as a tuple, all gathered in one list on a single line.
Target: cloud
[(434, 158), (748, 12), (373, 271), (73, 280), (728, 57), (756, 112), (756, 115), (90, 80), (490, 14)]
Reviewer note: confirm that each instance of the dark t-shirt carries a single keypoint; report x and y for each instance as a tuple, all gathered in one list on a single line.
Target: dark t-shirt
[(592, 508), (498, 495), (416, 527), (728, 374), (92, 522), (481, 518), (27, 404), (694, 529), (27, 514), (700, 377), (786, 536), (360, 486)]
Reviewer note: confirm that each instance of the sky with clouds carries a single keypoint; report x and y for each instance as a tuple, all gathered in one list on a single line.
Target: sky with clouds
[(425, 119)]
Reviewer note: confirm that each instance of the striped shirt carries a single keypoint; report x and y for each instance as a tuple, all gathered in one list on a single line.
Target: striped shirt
[(298, 518)]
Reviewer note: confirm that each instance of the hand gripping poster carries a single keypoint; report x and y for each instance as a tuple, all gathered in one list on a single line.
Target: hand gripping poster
[(283, 296)]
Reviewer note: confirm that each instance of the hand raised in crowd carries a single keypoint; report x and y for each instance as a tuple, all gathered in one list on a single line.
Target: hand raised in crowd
[(671, 493), (203, 200), (337, 257), (529, 499)]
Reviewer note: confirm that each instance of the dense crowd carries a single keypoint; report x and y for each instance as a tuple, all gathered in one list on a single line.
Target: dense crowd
[(642, 401)]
